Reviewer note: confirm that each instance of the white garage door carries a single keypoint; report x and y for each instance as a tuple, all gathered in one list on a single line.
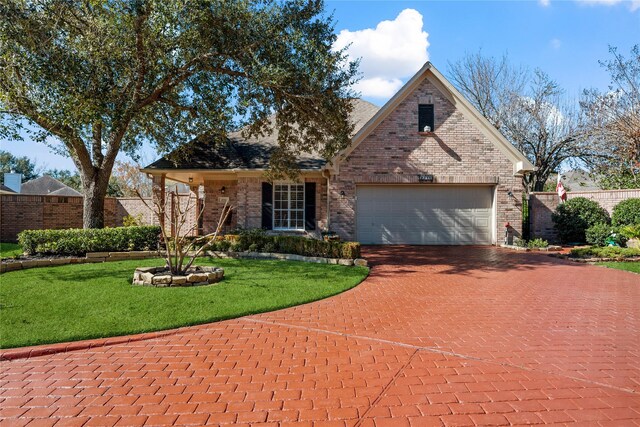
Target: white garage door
[(424, 215)]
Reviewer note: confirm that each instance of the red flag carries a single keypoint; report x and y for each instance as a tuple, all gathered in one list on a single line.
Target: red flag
[(562, 193)]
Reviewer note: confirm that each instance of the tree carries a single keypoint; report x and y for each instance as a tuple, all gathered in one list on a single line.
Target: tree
[(10, 163), (131, 181), (528, 108), (108, 75), (613, 122)]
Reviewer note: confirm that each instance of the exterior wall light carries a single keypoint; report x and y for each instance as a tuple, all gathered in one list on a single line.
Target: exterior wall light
[(223, 189)]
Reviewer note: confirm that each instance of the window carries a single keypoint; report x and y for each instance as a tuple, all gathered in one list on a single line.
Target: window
[(426, 118), (288, 207)]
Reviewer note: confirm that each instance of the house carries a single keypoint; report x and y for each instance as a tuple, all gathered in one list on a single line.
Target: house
[(426, 168), (6, 190), (47, 186)]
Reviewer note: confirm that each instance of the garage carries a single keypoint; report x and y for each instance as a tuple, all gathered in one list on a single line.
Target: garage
[(424, 215)]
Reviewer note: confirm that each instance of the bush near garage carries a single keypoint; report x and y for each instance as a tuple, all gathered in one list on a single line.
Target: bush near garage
[(572, 218), (257, 240), (81, 241), (603, 234), (627, 212)]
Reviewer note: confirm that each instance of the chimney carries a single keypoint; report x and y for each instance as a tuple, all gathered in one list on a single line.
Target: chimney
[(13, 181)]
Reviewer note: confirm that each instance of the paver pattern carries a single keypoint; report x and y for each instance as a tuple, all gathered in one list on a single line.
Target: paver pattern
[(435, 336)]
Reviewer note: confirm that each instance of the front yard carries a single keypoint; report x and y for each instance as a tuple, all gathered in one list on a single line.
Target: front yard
[(75, 302), (9, 250), (632, 266)]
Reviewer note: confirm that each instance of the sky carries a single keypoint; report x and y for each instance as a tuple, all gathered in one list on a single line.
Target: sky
[(393, 39)]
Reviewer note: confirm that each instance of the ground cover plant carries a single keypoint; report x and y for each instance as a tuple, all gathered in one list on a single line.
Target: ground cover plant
[(74, 302), (9, 250), (633, 266), (605, 252)]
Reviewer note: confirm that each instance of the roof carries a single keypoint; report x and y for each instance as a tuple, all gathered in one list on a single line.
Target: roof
[(46, 185), (428, 71), (235, 152), (6, 190), (577, 180)]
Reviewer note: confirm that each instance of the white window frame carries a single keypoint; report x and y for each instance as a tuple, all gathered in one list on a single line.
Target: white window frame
[(288, 210)]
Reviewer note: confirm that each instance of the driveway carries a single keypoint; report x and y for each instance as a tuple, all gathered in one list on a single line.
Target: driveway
[(435, 336)]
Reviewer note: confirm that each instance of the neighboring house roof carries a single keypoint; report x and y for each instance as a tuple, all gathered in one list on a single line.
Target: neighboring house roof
[(254, 153), (428, 71), (46, 185), (576, 180), (6, 190)]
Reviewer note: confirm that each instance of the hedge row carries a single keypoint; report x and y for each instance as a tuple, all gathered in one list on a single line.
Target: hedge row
[(79, 241), (257, 240)]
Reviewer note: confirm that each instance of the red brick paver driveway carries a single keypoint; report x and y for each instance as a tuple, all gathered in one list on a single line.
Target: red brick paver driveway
[(435, 336)]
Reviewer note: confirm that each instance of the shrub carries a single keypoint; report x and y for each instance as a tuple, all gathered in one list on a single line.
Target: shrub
[(133, 221), (79, 241), (631, 231), (537, 243), (604, 235), (627, 212), (606, 252), (573, 217), (257, 240)]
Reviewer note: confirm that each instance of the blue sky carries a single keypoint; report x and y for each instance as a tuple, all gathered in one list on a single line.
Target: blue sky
[(564, 38)]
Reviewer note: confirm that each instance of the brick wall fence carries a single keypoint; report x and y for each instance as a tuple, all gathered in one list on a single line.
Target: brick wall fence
[(25, 212), (543, 204)]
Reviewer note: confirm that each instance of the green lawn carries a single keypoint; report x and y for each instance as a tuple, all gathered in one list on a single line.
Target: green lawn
[(8, 250), (633, 266), (74, 302)]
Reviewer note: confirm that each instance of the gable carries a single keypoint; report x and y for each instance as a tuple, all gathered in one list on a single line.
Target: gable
[(437, 85)]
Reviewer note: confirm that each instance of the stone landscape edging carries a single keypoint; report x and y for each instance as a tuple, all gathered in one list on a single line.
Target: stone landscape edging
[(550, 248), (94, 257)]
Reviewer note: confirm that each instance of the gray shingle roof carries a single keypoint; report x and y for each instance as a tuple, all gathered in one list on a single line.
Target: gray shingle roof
[(6, 190), (238, 153), (46, 185)]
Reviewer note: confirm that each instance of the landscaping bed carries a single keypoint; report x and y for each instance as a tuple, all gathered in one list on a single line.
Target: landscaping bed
[(76, 302)]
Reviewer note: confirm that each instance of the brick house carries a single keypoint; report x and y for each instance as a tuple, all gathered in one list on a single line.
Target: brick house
[(426, 168)]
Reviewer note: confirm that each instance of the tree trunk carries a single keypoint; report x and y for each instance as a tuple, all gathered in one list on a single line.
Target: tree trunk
[(94, 190)]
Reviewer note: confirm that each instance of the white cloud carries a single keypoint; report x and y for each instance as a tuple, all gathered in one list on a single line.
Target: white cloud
[(556, 44), (633, 4), (544, 3), (388, 53)]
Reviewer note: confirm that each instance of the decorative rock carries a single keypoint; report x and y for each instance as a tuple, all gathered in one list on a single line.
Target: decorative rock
[(196, 277), (178, 280), (345, 261), (147, 278), (161, 280), (361, 262), (633, 243)]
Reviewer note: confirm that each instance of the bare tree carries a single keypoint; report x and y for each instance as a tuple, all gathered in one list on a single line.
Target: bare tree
[(613, 122), (181, 246), (528, 108)]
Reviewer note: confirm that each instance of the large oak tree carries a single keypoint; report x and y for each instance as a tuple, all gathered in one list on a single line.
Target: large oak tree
[(104, 76)]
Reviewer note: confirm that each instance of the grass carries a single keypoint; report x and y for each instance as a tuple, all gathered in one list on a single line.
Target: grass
[(75, 302), (9, 250), (633, 266)]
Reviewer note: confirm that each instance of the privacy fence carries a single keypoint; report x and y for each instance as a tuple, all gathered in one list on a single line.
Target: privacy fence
[(541, 205), (25, 212)]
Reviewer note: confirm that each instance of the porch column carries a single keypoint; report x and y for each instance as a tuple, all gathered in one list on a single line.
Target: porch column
[(195, 189), (158, 197)]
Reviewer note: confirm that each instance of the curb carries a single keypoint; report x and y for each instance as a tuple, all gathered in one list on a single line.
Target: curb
[(49, 349)]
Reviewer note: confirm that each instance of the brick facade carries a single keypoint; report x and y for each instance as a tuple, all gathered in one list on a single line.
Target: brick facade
[(20, 212), (542, 206), (457, 152)]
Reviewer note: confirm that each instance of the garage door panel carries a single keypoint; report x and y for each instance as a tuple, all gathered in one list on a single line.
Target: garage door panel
[(424, 215)]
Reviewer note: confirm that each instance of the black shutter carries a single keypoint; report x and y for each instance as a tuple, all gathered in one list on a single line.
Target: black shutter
[(309, 205), (267, 206), (426, 117)]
